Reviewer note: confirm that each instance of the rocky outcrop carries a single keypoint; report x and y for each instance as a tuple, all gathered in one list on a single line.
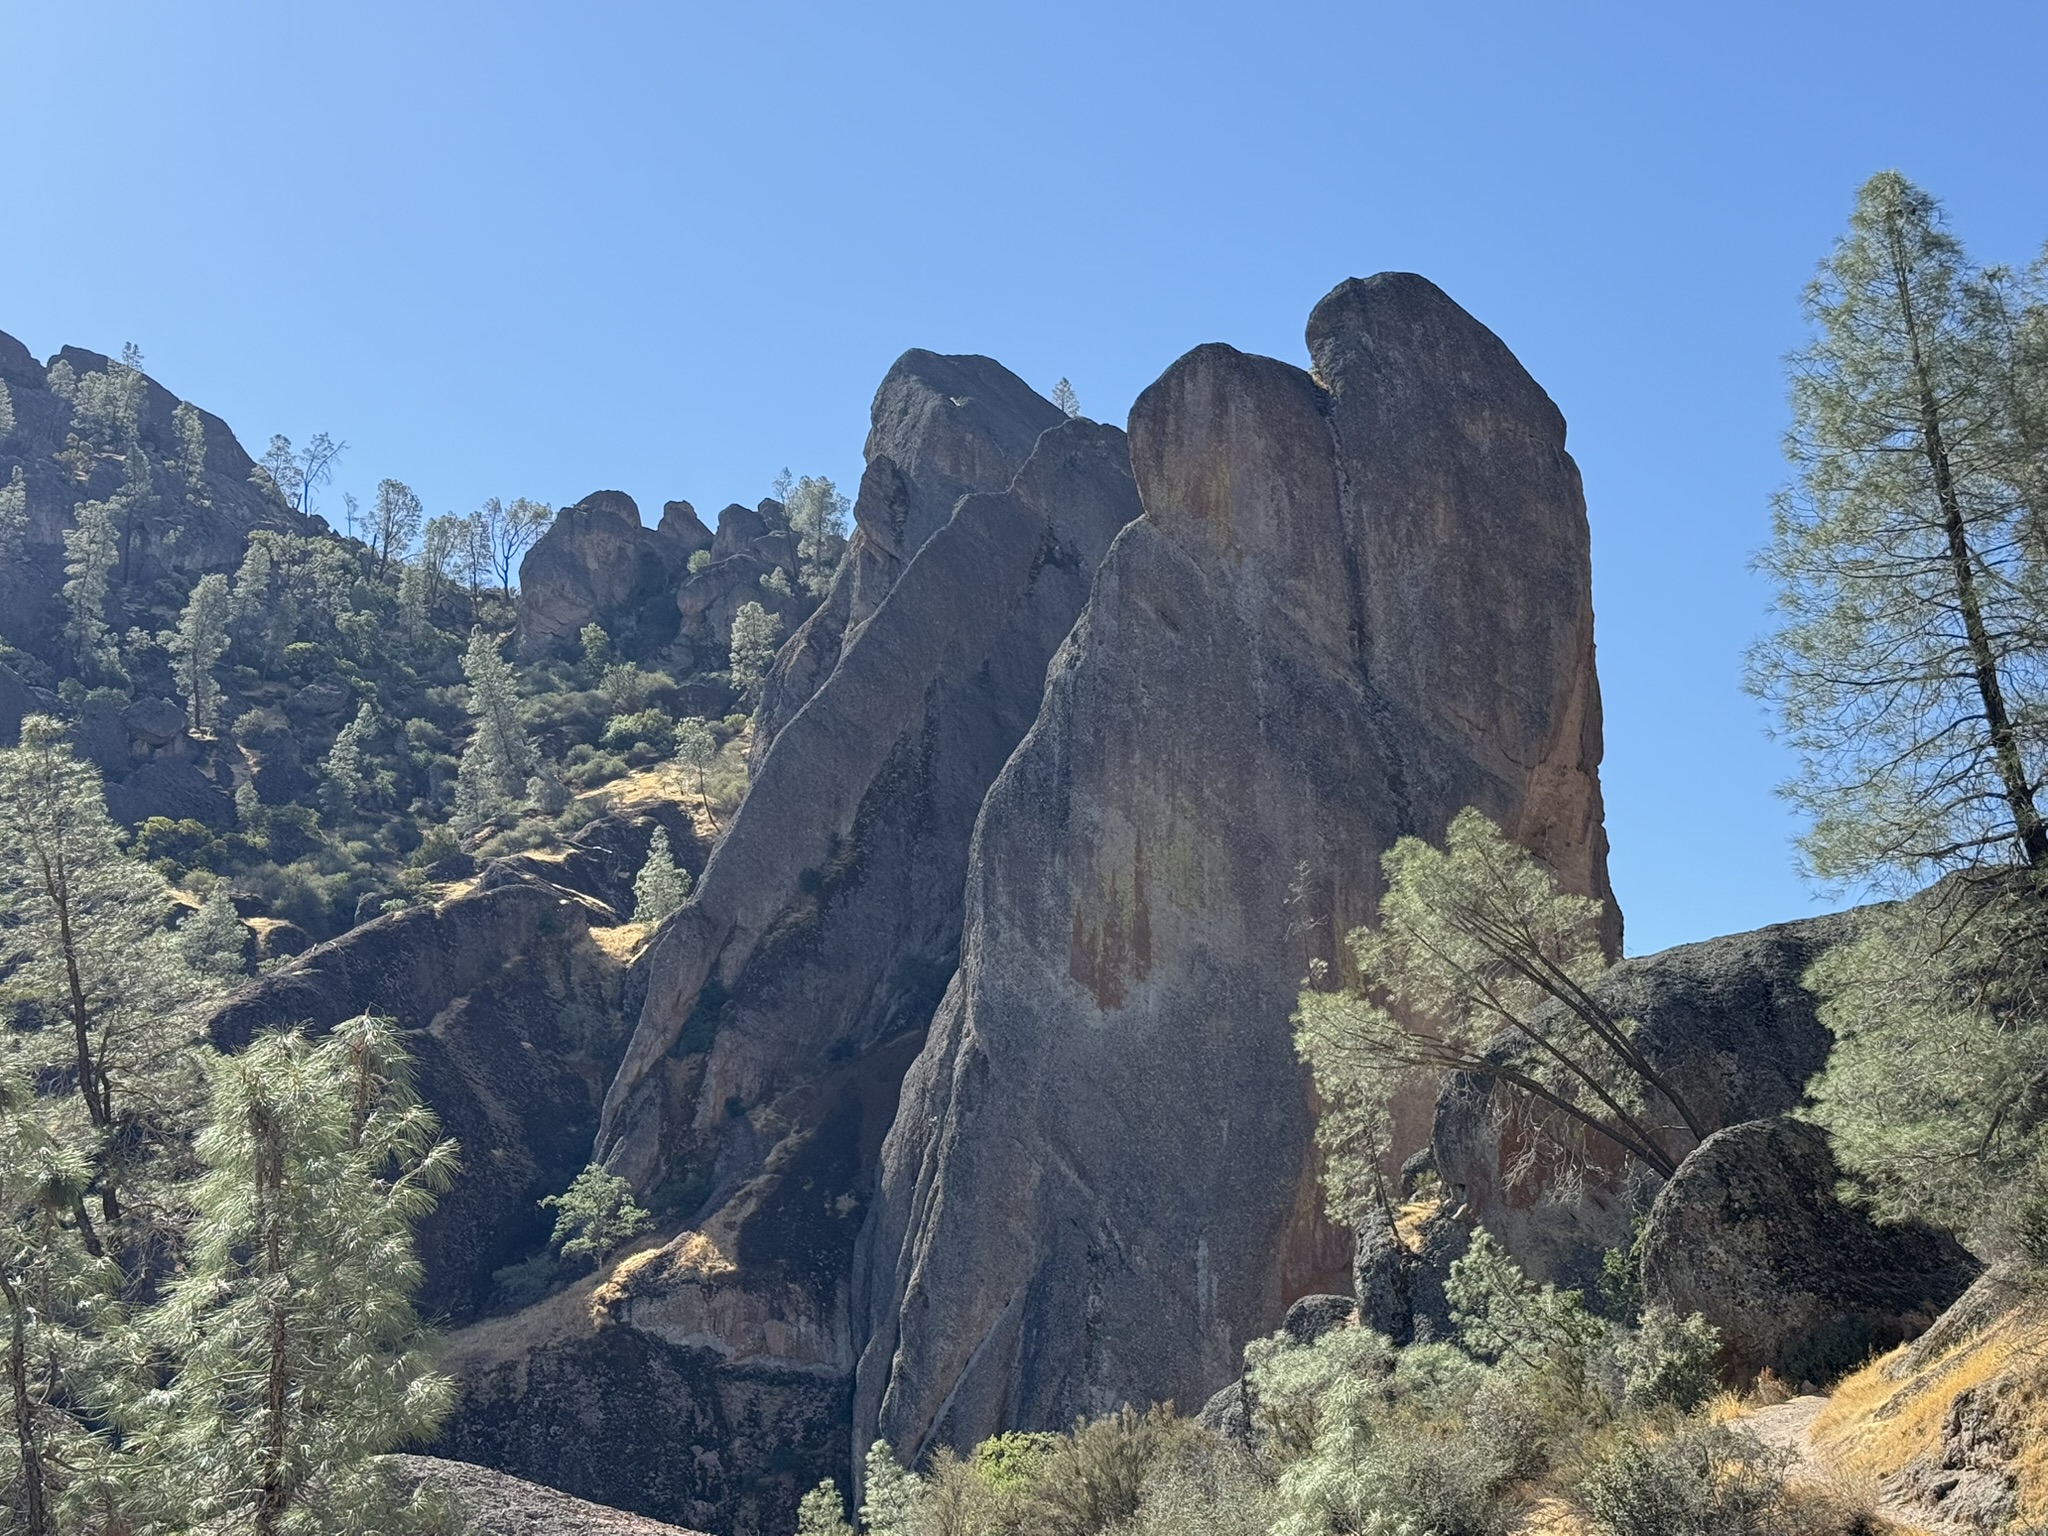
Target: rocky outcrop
[(942, 426), (197, 520), (1727, 1020), (1749, 1234), (599, 564), (753, 560), (1358, 600), (521, 1018), (563, 1395), (494, 1504), (829, 918)]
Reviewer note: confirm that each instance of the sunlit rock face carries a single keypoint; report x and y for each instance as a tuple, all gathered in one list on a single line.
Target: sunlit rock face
[(1358, 600)]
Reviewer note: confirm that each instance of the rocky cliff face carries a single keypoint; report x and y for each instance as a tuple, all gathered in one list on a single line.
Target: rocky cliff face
[(785, 1001), (942, 427), (1358, 600)]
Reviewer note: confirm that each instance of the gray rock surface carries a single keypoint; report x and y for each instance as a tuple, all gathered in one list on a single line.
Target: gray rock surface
[(942, 426), (497, 1504), (828, 919), (599, 564), (1358, 601), (1727, 1019), (171, 787), (1749, 1234), (752, 547), (522, 1018)]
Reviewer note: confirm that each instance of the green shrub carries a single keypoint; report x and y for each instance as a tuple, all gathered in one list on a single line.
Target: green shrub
[(1669, 1359), (1705, 1480), (1094, 1479), (649, 727)]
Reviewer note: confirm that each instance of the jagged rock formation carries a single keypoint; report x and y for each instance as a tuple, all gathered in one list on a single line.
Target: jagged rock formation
[(942, 427), (1358, 600), (1727, 1020), (1749, 1234), (752, 545), (197, 519), (599, 564), (522, 1018)]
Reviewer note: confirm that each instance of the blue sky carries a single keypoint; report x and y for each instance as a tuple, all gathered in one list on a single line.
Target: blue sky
[(517, 249)]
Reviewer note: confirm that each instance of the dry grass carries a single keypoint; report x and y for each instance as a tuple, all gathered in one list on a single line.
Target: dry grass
[(1410, 1219), (686, 1257), (1876, 1425), (624, 941)]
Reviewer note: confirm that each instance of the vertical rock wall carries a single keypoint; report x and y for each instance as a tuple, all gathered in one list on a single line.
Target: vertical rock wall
[(1358, 600)]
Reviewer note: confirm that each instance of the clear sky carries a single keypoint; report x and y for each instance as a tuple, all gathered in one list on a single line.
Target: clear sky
[(521, 249)]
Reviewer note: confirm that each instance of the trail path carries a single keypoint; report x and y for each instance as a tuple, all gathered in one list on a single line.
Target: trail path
[(1788, 1427)]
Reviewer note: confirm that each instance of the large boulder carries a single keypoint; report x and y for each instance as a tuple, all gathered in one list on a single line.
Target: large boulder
[(1358, 600), (497, 1505), (1728, 1021), (599, 564), (520, 1015), (942, 426), (1749, 1233)]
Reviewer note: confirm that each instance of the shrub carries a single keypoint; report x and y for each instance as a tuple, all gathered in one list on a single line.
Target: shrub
[(648, 726), (1095, 1478), (1669, 1359), (594, 1215), (1705, 1480)]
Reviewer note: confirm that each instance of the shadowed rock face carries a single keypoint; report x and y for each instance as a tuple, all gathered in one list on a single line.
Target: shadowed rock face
[(942, 427), (1357, 601), (521, 1018)]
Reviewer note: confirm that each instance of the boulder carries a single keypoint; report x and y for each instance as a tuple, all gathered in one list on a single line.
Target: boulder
[(497, 1505), (1358, 600), (941, 426), (1729, 1022), (680, 522), (1749, 1234), (738, 527), (599, 564), (154, 722), (605, 857), (746, 558), (521, 1018), (173, 788), (318, 703)]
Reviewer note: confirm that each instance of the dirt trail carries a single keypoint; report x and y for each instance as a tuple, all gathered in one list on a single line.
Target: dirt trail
[(1788, 1427)]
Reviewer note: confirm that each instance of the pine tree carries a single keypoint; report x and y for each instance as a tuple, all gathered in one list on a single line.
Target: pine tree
[(754, 633), (82, 927), (90, 553), (890, 1496), (822, 1512), (300, 1355), (345, 776), (191, 432), (215, 939), (196, 647), (498, 759), (697, 749), (13, 514), (1064, 397), (395, 521), (661, 887), (1911, 668), (58, 1304), (6, 413), (1476, 948), (817, 514)]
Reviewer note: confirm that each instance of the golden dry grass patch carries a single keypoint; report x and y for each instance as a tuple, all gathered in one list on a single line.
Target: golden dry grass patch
[(1875, 1425)]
